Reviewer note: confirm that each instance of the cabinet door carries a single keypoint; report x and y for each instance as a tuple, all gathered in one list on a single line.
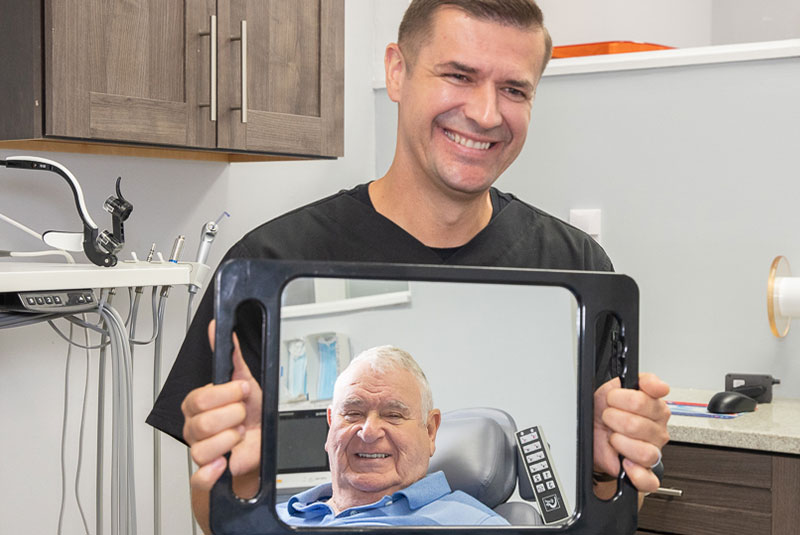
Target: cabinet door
[(294, 76), (129, 70)]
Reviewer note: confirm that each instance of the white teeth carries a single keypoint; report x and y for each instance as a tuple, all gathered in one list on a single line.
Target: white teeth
[(469, 143), (373, 455)]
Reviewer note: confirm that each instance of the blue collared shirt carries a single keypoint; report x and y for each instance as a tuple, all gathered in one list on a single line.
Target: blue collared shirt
[(428, 502)]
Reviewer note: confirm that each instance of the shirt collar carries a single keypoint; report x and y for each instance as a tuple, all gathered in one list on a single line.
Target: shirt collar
[(428, 489), (311, 500)]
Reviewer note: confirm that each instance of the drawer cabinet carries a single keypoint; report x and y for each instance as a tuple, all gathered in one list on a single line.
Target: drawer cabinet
[(225, 76), (725, 492)]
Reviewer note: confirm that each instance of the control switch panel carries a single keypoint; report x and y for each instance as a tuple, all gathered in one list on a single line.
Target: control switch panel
[(49, 301), (542, 475)]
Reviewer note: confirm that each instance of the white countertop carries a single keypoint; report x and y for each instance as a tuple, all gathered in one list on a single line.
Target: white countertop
[(771, 427)]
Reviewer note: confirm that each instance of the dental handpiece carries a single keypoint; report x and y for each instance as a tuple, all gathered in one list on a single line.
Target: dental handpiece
[(207, 235)]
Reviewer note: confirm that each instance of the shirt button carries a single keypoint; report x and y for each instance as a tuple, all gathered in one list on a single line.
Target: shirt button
[(387, 504)]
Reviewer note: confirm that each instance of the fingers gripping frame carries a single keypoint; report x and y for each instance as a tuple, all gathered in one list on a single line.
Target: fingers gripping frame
[(263, 281)]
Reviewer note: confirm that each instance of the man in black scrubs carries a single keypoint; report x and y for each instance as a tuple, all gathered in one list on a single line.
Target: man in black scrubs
[(464, 75)]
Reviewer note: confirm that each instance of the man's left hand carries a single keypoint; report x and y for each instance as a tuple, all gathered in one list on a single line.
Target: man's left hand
[(631, 423)]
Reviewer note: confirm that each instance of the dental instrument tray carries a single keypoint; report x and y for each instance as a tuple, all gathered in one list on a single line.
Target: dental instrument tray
[(595, 301)]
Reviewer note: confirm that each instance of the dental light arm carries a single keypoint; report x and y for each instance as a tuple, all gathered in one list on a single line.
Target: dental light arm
[(100, 247)]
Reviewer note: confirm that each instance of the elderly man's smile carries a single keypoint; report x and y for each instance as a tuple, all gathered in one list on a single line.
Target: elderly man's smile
[(373, 455)]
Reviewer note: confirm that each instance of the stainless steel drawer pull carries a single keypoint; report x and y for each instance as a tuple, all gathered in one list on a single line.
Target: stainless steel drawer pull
[(212, 34), (669, 492), (243, 39)]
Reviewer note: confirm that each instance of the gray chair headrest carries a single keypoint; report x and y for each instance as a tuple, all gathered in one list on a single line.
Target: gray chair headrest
[(476, 451)]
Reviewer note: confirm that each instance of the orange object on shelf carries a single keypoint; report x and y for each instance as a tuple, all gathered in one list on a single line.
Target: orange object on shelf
[(606, 47)]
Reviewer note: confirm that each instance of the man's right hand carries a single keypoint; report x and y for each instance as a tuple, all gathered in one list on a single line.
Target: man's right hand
[(219, 419)]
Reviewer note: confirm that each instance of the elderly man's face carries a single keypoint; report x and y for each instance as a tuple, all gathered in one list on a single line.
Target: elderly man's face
[(465, 103), (378, 442)]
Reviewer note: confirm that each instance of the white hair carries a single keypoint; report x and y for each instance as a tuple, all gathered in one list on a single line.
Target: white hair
[(382, 359)]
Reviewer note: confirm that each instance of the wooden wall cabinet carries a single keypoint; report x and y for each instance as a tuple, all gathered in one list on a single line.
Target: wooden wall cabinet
[(725, 492), (175, 74)]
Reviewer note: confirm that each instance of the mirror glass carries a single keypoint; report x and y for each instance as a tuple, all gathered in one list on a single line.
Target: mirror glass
[(509, 347)]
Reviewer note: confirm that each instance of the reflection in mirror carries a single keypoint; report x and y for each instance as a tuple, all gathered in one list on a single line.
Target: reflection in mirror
[(308, 291), (507, 347)]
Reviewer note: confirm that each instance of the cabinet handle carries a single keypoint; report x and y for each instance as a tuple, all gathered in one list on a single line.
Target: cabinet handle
[(669, 492), (212, 34), (243, 39)]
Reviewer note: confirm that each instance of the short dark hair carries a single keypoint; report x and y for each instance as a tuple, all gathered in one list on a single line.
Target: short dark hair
[(416, 26)]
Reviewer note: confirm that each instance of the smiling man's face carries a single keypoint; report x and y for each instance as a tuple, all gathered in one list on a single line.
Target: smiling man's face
[(378, 442), (465, 100)]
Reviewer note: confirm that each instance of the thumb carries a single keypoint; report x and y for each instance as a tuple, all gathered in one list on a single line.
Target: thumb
[(652, 385), (240, 369), (601, 394), (207, 475), (212, 325), (611, 384)]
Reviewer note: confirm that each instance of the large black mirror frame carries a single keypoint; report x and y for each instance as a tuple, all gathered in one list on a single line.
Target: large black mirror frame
[(596, 294)]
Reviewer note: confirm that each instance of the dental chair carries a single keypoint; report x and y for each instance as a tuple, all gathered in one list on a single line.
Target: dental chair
[(476, 449)]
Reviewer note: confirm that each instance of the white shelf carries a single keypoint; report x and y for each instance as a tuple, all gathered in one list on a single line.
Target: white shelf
[(304, 405), (29, 276), (788, 48)]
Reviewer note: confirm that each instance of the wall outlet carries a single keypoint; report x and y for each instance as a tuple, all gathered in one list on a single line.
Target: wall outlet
[(588, 221)]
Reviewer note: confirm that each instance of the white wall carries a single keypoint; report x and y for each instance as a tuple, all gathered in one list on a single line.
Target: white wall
[(745, 21), (696, 172), (388, 14), (676, 23), (170, 197)]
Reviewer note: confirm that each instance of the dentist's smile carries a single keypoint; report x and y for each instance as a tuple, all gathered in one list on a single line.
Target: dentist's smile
[(467, 142)]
